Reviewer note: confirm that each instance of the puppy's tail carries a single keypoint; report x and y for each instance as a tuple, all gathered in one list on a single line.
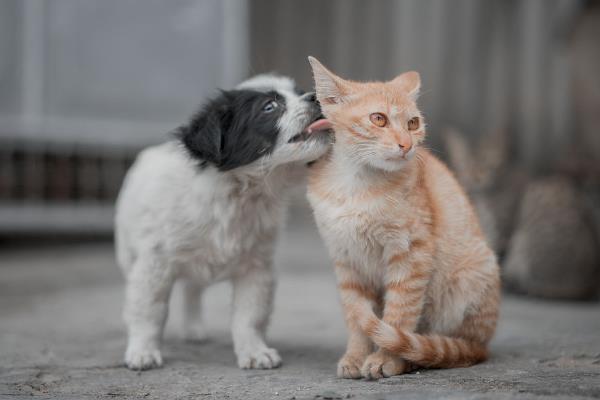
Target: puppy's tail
[(432, 351)]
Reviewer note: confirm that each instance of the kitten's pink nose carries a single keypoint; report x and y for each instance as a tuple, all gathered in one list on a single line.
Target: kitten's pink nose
[(405, 143)]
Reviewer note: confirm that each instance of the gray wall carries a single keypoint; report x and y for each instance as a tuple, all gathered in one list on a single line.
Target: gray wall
[(85, 83), (10, 57), (113, 68), (494, 64)]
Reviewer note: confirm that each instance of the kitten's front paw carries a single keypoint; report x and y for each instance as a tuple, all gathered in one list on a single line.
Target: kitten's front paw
[(142, 358), (258, 357), (349, 366), (382, 365)]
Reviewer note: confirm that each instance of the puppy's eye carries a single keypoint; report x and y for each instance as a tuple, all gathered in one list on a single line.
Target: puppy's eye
[(270, 106), (378, 119), (413, 124)]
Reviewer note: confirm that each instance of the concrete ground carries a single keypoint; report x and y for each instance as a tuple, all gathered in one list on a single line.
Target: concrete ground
[(61, 336)]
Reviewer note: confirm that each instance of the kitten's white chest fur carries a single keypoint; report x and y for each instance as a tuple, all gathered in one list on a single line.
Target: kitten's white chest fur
[(354, 220), (358, 234)]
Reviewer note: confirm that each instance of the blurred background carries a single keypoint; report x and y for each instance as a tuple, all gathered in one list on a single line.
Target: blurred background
[(511, 95)]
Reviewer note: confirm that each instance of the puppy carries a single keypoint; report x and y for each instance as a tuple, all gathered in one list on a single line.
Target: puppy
[(207, 206)]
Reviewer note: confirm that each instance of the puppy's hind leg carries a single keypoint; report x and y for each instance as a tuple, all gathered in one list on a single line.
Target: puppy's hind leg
[(252, 305), (193, 326), (145, 312)]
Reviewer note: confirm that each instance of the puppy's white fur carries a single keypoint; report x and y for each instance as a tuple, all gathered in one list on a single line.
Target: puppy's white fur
[(175, 220)]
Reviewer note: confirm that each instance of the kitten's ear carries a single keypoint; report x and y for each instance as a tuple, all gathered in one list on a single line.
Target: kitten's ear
[(330, 88), (409, 81)]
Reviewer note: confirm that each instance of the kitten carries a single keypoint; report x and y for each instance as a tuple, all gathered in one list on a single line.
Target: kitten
[(415, 274)]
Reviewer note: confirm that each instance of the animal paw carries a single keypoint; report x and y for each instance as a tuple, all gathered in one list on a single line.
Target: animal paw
[(382, 365), (349, 366), (142, 358), (258, 357)]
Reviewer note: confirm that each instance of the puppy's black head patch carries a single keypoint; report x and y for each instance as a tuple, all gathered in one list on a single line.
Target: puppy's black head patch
[(234, 129)]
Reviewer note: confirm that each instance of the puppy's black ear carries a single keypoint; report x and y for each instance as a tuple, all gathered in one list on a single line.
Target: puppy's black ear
[(231, 131), (203, 136)]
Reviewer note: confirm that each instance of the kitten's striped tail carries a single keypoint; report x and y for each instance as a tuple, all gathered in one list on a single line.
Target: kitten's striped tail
[(432, 351)]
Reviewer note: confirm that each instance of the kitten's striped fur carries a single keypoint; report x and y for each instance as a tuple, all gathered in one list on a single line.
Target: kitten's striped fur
[(415, 274)]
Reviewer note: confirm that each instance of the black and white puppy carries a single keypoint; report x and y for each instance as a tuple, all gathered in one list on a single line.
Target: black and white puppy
[(207, 207)]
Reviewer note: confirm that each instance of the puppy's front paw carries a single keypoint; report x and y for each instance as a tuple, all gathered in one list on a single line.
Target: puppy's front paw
[(349, 366), (142, 358), (382, 365), (258, 357)]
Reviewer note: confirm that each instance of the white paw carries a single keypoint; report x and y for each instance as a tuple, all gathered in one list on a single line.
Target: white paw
[(195, 332), (142, 358), (260, 357)]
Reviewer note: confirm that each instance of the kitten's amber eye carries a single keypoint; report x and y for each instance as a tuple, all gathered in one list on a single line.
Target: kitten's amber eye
[(378, 119), (413, 124)]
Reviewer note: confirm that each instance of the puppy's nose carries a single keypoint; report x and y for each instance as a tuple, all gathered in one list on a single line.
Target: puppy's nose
[(310, 97)]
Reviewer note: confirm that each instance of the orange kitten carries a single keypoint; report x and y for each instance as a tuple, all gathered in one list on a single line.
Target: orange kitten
[(415, 274)]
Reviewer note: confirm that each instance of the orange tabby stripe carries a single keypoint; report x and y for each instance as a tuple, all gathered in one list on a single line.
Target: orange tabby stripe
[(404, 321), (391, 227), (418, 244), (371, 326), (398, 258), (404, 288), (400, 302), (359, 289), (404, 308)]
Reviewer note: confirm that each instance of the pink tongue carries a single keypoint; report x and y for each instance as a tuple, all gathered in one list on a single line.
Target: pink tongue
[(319, 125)]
